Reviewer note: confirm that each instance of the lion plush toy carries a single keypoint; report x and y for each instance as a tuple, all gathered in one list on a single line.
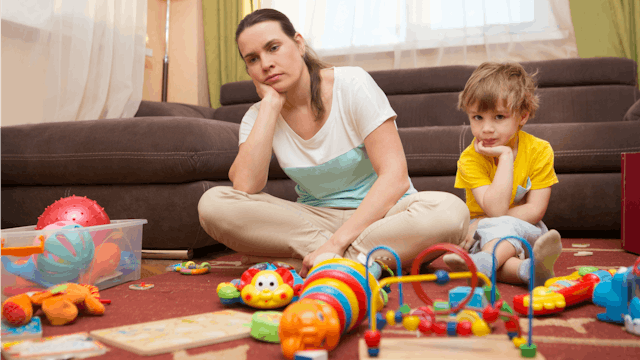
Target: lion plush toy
[(59, 303)]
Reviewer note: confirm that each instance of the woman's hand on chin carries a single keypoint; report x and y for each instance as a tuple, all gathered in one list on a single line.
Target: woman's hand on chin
[(269, 95)]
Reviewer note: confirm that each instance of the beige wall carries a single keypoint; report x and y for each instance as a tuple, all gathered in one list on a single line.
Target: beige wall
[(18, 82), (187, 80)]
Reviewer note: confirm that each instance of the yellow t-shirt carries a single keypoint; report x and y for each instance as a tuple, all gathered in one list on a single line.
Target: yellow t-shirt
[(534, 163)]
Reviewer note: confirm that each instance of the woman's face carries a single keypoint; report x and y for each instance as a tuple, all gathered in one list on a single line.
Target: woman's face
[(271, 57)]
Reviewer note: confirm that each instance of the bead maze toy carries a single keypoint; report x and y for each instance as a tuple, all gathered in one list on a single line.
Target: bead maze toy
[(334, 300), (262, 286), (560, 292), (462, 320), (619, 295)]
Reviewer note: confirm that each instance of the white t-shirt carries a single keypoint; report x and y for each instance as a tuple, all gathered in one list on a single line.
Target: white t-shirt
[(332, 168)]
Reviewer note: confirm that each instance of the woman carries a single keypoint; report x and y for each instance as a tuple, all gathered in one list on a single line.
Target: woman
[(333, 132)]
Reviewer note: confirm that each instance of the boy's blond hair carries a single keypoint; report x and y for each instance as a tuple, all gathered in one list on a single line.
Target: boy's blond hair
[(491, 82)]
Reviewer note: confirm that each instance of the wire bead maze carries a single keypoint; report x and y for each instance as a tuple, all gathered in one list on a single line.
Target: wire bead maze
[(466, 321)]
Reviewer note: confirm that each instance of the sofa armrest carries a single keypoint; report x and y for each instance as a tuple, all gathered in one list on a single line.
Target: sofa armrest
[(155, 108), (633, 114)]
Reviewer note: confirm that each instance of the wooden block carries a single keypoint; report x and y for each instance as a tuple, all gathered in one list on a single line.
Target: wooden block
[(476, 348)]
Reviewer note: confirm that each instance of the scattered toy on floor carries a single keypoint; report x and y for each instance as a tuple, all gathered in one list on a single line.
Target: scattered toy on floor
[(334, 300), (311, 355), (141, 286), (264, 326), (618, 295), (460, 319), (560, 292), (31, 330), (59, 304), (191, 268), (263, 286)]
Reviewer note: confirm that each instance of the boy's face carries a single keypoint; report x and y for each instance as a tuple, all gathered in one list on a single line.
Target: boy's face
[(495, 127)]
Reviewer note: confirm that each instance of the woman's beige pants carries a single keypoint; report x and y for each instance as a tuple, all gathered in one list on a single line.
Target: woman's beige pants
[(267, 228)]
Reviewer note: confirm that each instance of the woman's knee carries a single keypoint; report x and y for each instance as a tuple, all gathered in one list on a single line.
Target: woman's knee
[(453, 214), (211, 206), (440, 214)]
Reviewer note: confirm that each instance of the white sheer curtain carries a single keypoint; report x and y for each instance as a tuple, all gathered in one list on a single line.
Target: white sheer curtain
[(386, 34), (65, 60)]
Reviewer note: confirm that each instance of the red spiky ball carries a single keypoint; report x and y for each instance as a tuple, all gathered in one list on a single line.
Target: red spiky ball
[(79, 209)]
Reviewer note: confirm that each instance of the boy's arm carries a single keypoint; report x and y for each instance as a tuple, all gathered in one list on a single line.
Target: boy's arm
[(494, 199), (533, 210)]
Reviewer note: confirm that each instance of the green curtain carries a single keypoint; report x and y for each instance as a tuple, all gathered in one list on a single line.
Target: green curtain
[(224, 65), (626, 21)]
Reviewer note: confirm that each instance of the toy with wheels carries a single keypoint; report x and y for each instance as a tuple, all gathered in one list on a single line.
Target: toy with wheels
[(560, 292), (333, 301), (459, 318), (78, 209), (262, 286)]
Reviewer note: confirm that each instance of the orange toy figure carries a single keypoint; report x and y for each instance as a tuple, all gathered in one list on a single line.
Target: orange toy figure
[(308, 324), (59, 303)]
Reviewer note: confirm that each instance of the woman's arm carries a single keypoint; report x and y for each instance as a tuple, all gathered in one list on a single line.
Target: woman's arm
[(533, 210), (250, 169), (388, 159)]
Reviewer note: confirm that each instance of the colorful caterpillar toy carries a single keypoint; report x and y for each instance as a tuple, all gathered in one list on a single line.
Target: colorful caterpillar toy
[(333, 300)]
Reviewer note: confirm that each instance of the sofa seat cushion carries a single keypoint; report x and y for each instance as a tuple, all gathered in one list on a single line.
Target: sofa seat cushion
[(118, 151)]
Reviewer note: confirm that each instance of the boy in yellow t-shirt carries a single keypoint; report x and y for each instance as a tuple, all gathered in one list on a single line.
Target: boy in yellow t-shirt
[(507, 175)]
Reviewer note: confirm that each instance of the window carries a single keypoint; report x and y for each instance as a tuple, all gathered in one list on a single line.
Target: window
[(337, 27)]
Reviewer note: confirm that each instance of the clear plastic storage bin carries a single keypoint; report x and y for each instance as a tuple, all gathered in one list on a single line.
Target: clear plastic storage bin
[(101, 255)]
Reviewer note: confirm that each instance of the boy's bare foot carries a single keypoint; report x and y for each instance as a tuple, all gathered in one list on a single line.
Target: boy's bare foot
[(455, 262), (546, 250)]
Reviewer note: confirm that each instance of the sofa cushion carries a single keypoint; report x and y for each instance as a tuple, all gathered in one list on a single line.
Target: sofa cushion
[(633, 114), (118, 151), (586, 147), (578, 147), (154, 108)]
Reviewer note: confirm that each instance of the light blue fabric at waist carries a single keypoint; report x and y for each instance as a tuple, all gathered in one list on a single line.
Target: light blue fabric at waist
[(340, 182)]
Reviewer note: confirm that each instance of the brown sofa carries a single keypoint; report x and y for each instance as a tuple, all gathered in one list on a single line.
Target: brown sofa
[(157, 165)]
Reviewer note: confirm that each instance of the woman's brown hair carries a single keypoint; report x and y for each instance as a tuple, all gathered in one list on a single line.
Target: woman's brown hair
[(314, 64)]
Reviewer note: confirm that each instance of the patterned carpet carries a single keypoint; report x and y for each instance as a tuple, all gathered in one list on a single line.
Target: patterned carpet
[(572, 334)]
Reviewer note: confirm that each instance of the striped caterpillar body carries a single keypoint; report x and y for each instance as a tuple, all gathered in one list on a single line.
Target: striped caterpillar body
[(333, 301)]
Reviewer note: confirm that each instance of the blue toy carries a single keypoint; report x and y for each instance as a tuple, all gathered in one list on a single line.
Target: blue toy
[(459, 293), (616, 295), (58, 264)]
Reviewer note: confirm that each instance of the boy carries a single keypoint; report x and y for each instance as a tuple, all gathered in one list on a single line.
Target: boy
[(507, 176)]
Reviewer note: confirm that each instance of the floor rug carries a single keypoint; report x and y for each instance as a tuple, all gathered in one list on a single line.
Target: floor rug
[(572, 334)]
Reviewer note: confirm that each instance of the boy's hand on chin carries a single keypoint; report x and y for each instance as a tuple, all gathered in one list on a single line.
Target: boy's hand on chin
[(493, 151)]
